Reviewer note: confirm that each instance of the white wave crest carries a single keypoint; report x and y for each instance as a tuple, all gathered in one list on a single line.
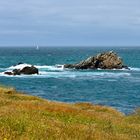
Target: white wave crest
[(73, 74), (58, 71), (134, 69), (51, 68), (61, 67), (20, 66), (83, 75), (43, 67)]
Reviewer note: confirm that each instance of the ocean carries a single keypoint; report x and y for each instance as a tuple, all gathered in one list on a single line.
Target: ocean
[(119, 89)]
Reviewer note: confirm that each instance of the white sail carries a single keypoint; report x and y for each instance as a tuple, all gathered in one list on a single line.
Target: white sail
[(37, 47)]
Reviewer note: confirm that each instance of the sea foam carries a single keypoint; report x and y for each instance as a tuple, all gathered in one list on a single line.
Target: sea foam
[(58, 71)]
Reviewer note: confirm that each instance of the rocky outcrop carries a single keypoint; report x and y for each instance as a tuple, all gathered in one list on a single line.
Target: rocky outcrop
[(107, 60), (28, 70)]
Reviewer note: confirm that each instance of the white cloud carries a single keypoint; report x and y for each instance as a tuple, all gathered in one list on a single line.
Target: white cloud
[(80, 10), (64, 16)]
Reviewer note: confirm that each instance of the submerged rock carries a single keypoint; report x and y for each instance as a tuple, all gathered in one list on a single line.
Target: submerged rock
[(8, 73), (107, 60), (18, 64)]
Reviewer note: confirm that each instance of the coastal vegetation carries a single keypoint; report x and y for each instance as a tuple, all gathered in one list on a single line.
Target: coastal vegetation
[(24, 117)]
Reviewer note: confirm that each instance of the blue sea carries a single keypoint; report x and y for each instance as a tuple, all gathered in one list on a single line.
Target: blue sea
[(119, 89)]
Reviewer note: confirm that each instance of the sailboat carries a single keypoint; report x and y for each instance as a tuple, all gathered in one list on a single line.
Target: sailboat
[(37, 47)]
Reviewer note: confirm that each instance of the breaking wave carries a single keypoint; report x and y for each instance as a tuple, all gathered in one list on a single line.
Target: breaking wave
[(134, 69), (21, 66), (58, 71)]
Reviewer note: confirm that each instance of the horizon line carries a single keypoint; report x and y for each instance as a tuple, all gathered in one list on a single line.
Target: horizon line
[(1, 46)]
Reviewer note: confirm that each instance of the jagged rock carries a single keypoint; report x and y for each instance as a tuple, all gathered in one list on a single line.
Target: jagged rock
[(107, 60)]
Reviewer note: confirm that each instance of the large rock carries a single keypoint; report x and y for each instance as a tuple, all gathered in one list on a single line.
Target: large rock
[(26, 70), (107, 60), (29, 70)]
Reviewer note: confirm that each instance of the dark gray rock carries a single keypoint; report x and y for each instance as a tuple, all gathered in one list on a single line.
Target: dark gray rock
[(8, 73), (16, 72), (20, 63), (29, 70)]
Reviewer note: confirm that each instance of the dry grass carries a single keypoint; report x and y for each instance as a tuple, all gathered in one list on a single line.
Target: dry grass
[(24, 117)]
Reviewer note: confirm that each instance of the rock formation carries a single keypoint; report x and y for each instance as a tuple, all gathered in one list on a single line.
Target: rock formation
[(26, 70), (107, 60), (29, 70)]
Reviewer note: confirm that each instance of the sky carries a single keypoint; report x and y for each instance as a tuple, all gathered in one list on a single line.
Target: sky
[(70, 22)]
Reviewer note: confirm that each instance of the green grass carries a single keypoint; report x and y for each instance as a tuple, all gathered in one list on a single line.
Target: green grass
[(24, 117)]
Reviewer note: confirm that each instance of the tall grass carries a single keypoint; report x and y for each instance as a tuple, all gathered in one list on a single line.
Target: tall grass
[(25, 117)]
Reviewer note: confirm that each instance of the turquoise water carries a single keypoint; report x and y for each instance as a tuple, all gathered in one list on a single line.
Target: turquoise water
[(116, 88)]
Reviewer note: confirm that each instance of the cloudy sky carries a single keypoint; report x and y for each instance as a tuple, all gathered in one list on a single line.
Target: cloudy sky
[(70, 22)]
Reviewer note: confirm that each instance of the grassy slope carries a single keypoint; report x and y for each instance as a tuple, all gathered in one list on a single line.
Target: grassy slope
[(26, 117)]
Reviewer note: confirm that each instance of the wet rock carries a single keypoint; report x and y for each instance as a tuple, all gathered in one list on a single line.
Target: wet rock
[(20, 63), (16, 72), (29, 70), (8, 73)]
